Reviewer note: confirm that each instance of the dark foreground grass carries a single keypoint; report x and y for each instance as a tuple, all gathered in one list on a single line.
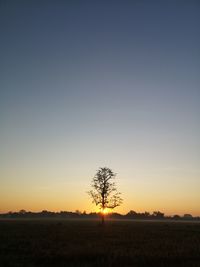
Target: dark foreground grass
[(85, 243)]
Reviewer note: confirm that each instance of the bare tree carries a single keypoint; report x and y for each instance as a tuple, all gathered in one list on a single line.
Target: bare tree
[(104, 193)]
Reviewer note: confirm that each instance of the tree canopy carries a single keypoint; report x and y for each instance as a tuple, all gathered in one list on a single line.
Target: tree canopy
[(104, 192)]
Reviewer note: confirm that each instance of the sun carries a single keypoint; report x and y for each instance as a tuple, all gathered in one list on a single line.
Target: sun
[(105, 211)]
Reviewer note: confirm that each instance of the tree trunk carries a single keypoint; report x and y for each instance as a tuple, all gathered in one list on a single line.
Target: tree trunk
[(102, 219)]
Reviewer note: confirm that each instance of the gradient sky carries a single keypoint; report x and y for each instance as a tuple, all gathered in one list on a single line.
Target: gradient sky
[(88, 84)]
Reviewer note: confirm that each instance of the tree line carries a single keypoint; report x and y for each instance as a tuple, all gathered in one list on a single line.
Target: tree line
[(95, 215)]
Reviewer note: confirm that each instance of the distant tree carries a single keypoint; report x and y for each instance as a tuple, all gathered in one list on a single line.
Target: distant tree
[(176, 217), (78, 212), (104, 193), (187, 216), (22, 212), (132, 213), (158, 214)]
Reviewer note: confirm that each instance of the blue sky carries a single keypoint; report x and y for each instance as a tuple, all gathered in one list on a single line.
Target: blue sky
[(86, 84)]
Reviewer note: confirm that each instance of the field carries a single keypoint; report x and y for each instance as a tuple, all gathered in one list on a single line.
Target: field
[(86, 243)]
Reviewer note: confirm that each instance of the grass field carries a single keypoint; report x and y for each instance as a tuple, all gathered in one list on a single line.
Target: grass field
[(85, 243)]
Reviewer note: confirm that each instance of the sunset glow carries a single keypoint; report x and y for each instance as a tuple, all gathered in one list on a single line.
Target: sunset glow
[(105, 211), (88, 84)]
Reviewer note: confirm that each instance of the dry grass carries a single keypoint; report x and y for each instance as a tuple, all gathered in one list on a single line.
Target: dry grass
[(85, 243)]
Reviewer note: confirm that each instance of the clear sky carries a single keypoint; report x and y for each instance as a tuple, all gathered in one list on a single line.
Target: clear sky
[(88, 84)]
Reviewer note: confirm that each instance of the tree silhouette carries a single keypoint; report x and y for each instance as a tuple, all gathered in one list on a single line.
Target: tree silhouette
[(104, 193)]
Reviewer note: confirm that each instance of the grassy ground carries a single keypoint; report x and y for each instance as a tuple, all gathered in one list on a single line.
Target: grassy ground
[(85, 243)]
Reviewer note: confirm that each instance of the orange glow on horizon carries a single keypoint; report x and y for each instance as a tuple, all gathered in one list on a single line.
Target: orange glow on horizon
[(105, 211)]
